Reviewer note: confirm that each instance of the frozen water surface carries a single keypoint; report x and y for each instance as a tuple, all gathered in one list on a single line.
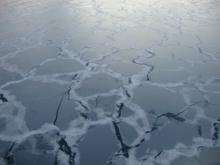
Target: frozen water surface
[(98, 82)]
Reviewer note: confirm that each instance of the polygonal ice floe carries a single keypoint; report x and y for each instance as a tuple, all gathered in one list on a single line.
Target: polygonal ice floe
[(32, 57), (101, 140), (42, 101), (59, 66), (99, 83), (209, 156), (158, 99), (7, 76)]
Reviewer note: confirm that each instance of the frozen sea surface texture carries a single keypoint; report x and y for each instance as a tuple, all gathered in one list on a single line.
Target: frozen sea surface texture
[(98, 82)]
